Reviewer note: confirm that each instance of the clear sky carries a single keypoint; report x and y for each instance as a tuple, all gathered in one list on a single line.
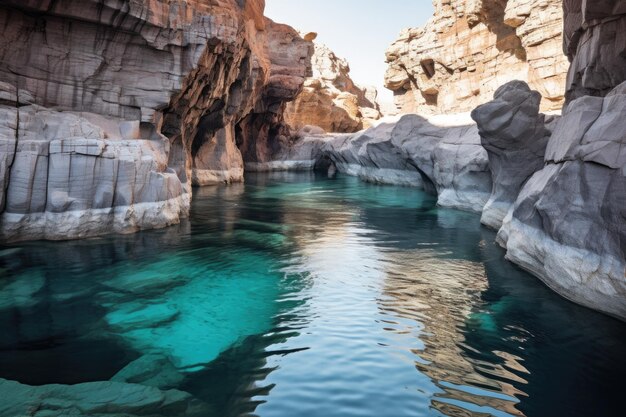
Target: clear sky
[(358, 30)]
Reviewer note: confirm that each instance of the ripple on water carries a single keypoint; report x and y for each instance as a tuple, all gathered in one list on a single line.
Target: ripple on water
[(292, 295)]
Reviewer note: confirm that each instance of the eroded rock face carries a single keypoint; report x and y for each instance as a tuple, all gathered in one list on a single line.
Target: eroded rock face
[(515, 136), (470, 48), (111, 110), (330, 99), (595, 42), (568, 224), (71, 175), (442, 155)]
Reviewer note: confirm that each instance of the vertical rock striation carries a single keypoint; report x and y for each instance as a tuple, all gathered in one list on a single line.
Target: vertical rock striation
[(470, 48), (110, 111), (595, 42)]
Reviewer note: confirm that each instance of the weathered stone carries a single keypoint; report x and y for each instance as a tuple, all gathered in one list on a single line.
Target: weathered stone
[(330, 99), (469, 49), (515, 136), (440, 154), (595, 42), (148, 97), (568, 224)]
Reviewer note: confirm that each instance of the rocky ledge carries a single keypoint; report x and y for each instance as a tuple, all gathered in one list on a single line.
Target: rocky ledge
[(110, 111)]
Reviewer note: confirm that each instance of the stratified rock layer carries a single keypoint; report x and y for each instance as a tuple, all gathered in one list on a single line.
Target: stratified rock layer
[(111, 110), (470, 48), (330, 99)]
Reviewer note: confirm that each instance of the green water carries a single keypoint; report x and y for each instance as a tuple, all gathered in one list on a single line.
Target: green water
[(296, 295)]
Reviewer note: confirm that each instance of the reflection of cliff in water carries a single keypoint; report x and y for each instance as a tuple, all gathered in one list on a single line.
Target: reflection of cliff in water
[(434, 298)]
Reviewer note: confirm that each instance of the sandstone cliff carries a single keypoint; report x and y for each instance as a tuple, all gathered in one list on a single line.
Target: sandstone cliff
[(109, 111), (470, 48), (330, 98)]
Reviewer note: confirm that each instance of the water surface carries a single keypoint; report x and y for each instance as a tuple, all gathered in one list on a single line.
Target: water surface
[(296, 295)]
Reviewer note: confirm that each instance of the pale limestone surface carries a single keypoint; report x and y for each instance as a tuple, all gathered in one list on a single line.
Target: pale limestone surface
[(442, 155), (468, 49)]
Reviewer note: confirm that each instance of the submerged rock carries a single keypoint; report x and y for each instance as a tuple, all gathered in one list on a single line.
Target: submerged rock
[(112, 399)]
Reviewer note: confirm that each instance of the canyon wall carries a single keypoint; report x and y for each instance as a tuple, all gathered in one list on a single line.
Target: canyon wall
[(111, 110), (468, 49), (553, 186), (330, 98)]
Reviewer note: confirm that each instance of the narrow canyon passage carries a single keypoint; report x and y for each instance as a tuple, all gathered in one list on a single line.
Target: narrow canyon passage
[(296, 294)]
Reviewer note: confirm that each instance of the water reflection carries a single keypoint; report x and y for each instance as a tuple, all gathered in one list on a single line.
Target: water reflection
[(297, 295)]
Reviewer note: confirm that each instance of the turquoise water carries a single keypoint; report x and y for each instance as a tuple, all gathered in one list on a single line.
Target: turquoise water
[(297, 295)]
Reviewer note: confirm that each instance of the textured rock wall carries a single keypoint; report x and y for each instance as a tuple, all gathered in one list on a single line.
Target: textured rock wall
[(330, 99), (568, 225), (470, 48), (157, 95), (595, 42), (440, 154)]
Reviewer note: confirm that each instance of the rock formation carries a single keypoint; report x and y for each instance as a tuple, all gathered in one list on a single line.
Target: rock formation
[(595, 43), (440, 154), (515, 136), (568, 225), (470, 48), (330, 99), (110, 111)]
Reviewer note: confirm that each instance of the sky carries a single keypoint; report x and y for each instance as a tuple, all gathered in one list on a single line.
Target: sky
[(358, 30)]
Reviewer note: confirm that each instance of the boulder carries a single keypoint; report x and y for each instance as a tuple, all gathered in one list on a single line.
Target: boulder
[(515, 136)]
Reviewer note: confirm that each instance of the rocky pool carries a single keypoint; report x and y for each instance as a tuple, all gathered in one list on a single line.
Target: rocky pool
[(297, 295)]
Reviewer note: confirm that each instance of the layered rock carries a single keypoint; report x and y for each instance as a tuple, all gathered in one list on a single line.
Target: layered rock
[(595, 43), (71, 175), (111, 110), (568, 225), (515, 136), (330, 99), (470, 48)]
